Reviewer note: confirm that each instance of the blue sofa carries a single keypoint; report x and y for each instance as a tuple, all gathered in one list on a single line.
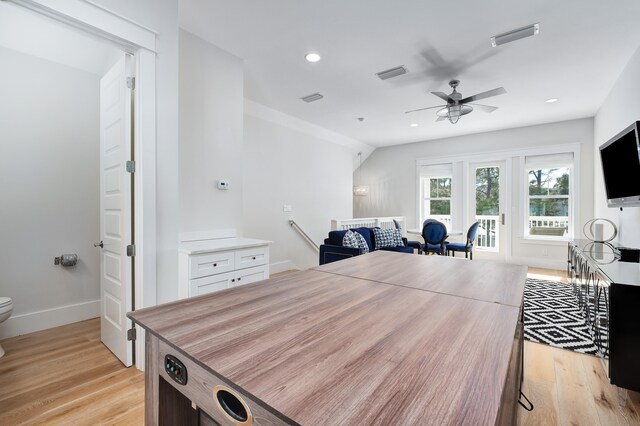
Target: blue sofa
[(332, 250)]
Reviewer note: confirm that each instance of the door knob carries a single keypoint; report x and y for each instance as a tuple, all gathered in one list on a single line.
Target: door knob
[(100, 244)]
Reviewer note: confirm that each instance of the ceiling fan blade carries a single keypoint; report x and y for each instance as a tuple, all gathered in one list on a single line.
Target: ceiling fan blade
[(441, 118), (485, 108), (422, 109), (483, 95), (442, 96)]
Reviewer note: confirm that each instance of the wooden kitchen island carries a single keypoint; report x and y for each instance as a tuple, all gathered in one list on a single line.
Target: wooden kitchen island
[(384, 338)]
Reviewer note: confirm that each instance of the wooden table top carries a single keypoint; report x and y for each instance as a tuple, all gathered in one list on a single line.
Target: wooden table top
[(475, 279), (323, 348)]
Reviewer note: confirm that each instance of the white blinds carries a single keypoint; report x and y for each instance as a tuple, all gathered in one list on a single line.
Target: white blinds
[(436, 170), (564, 159)]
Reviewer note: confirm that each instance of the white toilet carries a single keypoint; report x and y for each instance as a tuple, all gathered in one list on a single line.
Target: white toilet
[(6, 307)]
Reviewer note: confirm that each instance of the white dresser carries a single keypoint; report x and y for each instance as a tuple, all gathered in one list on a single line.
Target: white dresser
[(211, 265)]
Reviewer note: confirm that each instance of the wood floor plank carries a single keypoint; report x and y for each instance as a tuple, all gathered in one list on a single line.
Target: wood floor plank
[(49, 377), (544, 395), (614, 405), (539, 362)]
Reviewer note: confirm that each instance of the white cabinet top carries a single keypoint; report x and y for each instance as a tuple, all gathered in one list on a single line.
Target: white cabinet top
[(220, 244)]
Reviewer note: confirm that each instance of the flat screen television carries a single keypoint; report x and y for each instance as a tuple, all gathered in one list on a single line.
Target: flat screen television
[(621, 168)]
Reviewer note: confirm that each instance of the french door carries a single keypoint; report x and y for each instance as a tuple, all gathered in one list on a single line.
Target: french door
[(487, 191)]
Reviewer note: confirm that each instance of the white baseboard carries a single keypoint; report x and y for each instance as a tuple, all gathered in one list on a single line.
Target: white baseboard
[(285, 265), (49, 318), (537, 262)]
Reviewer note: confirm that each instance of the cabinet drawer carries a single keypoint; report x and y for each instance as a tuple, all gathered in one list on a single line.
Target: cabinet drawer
[(250, 275), (210, 284), (203, 265), (253, 256)]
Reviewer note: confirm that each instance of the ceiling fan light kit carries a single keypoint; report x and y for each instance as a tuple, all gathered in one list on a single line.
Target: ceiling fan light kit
[(457, 106), (520, 33)]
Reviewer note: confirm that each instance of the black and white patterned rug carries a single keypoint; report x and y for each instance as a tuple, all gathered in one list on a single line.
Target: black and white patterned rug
[(552, 317)]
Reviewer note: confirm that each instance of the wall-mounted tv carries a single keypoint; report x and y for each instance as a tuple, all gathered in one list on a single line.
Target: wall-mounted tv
[(621, 168)]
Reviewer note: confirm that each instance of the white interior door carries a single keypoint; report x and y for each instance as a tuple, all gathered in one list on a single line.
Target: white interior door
[(487, 205), (115, 210)]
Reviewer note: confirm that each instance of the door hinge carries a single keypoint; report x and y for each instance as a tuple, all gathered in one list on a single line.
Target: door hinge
[(131, 83), (131, 166), (131, 250), (131, 333)]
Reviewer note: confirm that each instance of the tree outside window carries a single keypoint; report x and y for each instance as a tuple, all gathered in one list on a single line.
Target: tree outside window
[(549, 201), (436, 196)]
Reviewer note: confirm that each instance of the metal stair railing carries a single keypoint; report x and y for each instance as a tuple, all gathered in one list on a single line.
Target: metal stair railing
[(297, 227)]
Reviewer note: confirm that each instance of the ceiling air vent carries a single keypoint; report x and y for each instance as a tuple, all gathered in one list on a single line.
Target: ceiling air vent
[(393, 72), (313, 97), (514, 35)]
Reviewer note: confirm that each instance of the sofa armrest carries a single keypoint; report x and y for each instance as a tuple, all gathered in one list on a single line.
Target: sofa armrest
[(330, 253)]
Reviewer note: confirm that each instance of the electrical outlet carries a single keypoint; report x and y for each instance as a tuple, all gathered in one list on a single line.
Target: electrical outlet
[(287, 208), (545, 252)]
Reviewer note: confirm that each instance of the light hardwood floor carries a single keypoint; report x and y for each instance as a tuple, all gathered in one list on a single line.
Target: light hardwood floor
[(65, 376)]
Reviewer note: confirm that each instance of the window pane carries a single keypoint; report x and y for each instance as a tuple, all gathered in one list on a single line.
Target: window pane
[(440, 187), (549, 181), (440, 207), (433, 187), (487, 191), (549, 207)]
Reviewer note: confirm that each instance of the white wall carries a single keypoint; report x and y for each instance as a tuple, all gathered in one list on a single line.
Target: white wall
[(49, 183), (211, 112), (619, 110), (162, 16), (269, 158), (391, 174), (285, 165)]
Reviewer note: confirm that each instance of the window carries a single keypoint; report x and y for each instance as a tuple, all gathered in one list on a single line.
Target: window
[(435, 190), (549, 204)]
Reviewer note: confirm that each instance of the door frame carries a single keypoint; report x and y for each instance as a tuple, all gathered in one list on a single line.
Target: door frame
[(460, 163), (140, 41)]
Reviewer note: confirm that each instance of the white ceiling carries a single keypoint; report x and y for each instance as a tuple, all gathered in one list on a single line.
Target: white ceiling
[(36, 35), (581, 50)]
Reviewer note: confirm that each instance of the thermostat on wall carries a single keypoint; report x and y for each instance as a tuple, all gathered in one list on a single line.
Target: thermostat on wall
[(223, 184)]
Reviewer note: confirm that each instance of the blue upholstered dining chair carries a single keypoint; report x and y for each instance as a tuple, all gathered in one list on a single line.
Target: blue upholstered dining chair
[(434, 234), (413, 244), (467, 247)]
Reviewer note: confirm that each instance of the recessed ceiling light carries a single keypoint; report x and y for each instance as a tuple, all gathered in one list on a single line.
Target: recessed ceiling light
[(413, 125), (312, 57), (552, 100)]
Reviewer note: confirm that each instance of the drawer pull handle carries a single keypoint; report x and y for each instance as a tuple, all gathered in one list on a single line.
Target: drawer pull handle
[(215, 264), (233, 280), (233, 406), (238, 279), (254, 258)]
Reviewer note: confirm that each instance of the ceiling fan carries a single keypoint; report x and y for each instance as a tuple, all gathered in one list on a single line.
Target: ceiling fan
[(457, 106)]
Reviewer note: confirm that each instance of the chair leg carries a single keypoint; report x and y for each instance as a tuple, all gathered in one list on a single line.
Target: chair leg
[(471, 255), (466, 254)]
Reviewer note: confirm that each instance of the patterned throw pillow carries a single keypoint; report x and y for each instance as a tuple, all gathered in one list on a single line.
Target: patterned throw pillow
[(362, 243), (349, 240), (387, 238), (355, 240)]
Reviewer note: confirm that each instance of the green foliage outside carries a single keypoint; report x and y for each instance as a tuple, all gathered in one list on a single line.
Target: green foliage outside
[(440, 188), (487, 191), (544, 184)]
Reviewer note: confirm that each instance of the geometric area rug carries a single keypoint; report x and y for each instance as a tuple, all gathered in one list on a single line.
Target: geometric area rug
[(552, 317)]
